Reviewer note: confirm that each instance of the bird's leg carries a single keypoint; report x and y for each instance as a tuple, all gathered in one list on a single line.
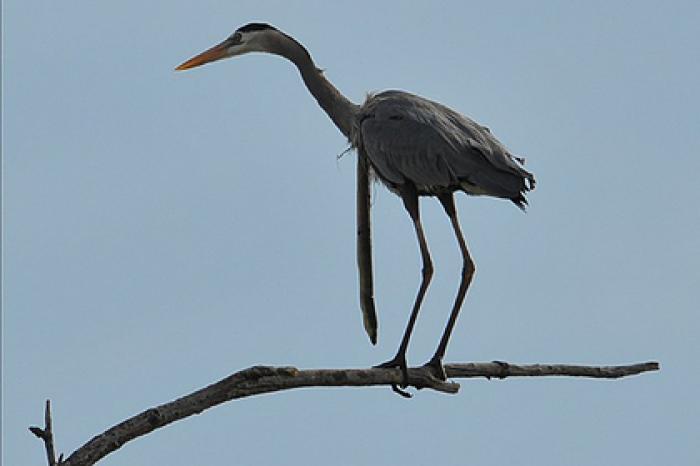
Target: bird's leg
[(468, 269), (409, 195)]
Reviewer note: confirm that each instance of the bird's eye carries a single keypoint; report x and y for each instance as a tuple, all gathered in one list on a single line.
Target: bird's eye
[(236, 38)]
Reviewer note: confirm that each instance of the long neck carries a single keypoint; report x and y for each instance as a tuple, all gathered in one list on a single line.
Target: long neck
[(341, 110)]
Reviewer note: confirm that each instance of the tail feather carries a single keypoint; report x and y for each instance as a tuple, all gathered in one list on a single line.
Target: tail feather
[(520, 201), (528, 185)]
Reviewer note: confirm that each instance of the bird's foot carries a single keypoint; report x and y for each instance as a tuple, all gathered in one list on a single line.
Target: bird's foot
[(399, 361), (436, 368)]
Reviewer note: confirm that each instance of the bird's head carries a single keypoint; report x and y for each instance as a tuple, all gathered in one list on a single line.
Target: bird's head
[(253, 37)]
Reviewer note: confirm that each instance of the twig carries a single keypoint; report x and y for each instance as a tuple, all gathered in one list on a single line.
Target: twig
[(46, 434), (264, 379)]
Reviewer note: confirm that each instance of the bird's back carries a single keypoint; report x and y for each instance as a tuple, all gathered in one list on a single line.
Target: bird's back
[(409, 138)]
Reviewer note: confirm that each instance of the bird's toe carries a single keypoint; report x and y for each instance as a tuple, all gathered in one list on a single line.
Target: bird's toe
[(399, 361), (436, 368)]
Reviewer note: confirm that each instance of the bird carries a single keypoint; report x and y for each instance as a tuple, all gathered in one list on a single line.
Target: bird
[(415, 147)]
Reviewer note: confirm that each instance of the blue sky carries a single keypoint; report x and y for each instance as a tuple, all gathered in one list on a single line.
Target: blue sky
[(162, 230)]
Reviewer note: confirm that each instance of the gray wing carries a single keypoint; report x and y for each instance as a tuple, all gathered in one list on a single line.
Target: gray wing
[(409, 138)]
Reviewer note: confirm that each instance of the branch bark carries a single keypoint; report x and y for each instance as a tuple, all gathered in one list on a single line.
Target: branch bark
[(264, 379), (46, 434)]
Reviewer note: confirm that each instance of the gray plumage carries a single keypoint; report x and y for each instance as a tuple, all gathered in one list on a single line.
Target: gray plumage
[(417, 147), (409, 138)]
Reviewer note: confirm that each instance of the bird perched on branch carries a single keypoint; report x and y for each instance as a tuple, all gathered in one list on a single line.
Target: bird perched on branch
[(416, 147)]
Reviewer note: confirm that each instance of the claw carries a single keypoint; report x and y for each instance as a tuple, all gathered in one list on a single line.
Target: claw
[(401, 392), (399, 361)]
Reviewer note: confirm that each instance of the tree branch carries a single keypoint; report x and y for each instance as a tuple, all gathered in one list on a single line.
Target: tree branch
[(264, 379), (46, 434)]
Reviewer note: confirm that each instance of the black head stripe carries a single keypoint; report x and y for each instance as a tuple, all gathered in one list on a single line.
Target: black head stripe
[(256, 27)]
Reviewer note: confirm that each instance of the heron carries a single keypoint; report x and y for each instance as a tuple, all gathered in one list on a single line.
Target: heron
[(416, 147)]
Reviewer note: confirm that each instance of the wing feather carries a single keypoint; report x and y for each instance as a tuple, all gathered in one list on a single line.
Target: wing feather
[(409, 138)]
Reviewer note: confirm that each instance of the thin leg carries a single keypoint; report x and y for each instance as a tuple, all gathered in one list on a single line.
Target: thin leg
[(410, 201), (468, 270)]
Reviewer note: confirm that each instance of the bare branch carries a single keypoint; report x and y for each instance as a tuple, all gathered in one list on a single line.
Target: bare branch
[(46, 434), (502, 370), (264, 379)]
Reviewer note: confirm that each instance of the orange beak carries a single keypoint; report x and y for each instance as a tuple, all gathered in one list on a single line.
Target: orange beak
[(217, 52)]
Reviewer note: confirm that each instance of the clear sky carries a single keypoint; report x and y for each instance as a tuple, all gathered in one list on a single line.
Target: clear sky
[(162, 230)]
